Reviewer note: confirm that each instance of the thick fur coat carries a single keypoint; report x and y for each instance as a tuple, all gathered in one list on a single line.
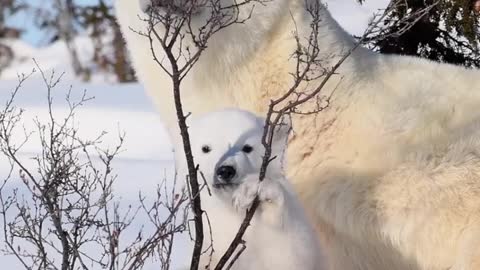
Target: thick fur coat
[(389, 172), (280, 236)]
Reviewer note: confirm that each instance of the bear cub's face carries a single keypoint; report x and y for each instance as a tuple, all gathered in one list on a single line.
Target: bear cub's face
[(227, 146)]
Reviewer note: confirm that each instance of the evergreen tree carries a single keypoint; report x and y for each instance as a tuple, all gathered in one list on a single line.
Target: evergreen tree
[(449, 32), (66, 19), (109, 54), (8, 8)]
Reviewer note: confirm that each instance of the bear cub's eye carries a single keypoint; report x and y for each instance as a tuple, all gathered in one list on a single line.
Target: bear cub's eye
[(206, 149), (247, 148)]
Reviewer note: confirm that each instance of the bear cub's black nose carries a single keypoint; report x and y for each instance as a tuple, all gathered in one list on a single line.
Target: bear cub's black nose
[(226, 173)]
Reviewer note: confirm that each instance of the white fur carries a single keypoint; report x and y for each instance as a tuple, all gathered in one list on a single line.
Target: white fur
[(389, 172), (280, 237)]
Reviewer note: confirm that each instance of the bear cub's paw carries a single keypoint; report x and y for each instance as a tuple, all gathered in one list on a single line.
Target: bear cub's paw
[(270, 193)]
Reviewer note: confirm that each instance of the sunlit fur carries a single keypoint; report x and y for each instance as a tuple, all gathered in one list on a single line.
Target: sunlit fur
[(389, 172)]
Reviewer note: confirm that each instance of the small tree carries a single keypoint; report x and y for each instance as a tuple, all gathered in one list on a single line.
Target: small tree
[(65, 20), (110, 53), (8, 8)]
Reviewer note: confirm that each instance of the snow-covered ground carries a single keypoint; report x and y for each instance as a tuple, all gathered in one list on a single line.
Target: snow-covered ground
[(147, 155)]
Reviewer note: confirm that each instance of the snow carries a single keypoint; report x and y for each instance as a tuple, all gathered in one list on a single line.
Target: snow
[(147, 155), (352, 16)]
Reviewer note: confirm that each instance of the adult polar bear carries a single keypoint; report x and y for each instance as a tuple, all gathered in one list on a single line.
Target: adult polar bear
[(390, 172)]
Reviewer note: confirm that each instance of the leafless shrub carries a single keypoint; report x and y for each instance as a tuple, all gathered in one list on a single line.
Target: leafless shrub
[(61, 211), (176, 18)]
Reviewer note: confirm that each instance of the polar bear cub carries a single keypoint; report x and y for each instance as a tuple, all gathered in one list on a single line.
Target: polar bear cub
[(227, 147)]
